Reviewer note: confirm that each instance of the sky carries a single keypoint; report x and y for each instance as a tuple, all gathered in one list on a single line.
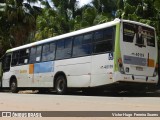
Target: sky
[(81, 2)]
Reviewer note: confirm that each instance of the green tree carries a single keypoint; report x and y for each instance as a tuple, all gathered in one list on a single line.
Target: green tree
[(4, 34), (89, 17), (20, 20), (99, 11), (145, 11), (57, 20), (47, 25), (17, 22), (66, 16)]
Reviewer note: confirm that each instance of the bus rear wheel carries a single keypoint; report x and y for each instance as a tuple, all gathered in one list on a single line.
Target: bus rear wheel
[(13, 86), (61, 85)]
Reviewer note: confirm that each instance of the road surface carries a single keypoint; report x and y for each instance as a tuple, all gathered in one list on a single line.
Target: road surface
[(27, 101)]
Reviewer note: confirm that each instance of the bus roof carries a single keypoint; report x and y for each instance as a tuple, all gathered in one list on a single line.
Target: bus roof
[(89, 29), (138, 23)]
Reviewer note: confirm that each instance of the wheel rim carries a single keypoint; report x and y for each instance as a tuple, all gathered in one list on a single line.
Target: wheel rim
[(60, 85)]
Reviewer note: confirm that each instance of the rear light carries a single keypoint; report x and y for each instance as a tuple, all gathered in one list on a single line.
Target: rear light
[(121, 68), (120, 61)]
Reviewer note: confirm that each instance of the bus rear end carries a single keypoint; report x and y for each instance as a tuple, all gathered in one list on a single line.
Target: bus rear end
[(136, 57)]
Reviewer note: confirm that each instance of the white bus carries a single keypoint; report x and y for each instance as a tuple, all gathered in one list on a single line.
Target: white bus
[(120, 52)]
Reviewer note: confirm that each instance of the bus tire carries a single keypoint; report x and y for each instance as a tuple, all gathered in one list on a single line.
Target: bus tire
[(13, 86), (61, 85)]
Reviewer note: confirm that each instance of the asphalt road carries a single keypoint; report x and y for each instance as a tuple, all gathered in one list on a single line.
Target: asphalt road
[(108, 101)]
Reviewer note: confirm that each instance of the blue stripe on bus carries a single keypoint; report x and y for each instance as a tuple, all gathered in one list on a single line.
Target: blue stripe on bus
[(44, 67)]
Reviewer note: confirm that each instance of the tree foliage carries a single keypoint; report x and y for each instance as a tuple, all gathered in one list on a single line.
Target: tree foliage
[(21, 22), (66, 16), (145, 11), (17, 23)]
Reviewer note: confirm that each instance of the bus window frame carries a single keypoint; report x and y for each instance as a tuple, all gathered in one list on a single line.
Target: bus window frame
[(19, 64), (35, 61), (113, 40), (12, 65), (136, 33), (82, 44), (71, 38), (91, 44), (49, 43)]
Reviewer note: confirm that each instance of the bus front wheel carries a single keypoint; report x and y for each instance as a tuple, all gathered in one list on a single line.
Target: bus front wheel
[(13, 86), (61, 85)]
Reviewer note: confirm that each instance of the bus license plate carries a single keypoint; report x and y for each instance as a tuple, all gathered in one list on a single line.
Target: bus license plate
[(139, 68)]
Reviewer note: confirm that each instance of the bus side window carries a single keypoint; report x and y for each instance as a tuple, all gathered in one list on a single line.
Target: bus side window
[(15, 58), (38, 53), (108, 33), (48, 52), (98, 35), (82, 45), (103, 40), (52, 49), (35, 54), (87, 38), (32, 57), (59, 51), (68, 48), (45, 52), (24, 56), (64, 48), (6, 63)]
